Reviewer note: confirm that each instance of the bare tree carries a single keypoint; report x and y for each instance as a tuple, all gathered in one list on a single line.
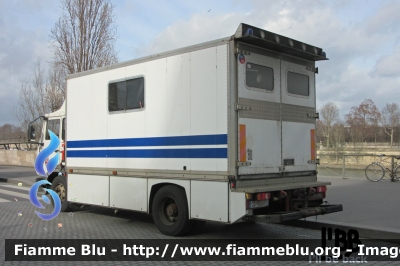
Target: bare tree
[(329, 114), (40, 96), (338, 132), (8, 131), (84, 37), (56, 87), (390, 119), (32, 98), (364, 120)]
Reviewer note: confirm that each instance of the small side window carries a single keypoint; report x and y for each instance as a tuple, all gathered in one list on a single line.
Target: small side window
[(63, 129), (54, 126), (126, 95), (259, 77), (298, 84)]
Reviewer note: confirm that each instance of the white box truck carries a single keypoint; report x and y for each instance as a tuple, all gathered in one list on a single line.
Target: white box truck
[(220, 131)]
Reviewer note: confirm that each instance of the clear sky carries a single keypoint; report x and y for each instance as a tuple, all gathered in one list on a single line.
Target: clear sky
[(361, 39)]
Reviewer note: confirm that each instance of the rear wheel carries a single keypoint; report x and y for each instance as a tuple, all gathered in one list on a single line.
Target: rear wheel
[(374, 172), (59, 185), (170, 211)]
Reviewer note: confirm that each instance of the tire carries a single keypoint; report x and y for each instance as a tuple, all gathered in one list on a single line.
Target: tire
[(374, 172), (59, 185), (170, 211)]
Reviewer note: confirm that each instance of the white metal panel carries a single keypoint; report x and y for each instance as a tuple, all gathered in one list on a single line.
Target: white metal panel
[(203, 92), (80, 97), (222, 98), (203, 100), (135, 120), (79, 126), (183, 183), (88, 189), (209, 200), (99, 113), (99, 105), (116, 120), (128, 193), (222, 89), (296, 144), (263, 139), (156, 115), (178, 104), (237, 206)]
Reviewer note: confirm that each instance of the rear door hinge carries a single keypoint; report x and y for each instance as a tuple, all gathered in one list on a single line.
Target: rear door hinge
[(313, 69), (316, 161), (242, 107), (314, 115), (243, 164)]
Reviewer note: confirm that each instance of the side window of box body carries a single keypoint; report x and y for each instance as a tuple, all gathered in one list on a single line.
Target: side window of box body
[(126, 94), (259, 77), (297, 84)]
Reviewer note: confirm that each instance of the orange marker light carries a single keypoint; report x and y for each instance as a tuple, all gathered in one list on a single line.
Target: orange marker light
[(313, 144), (242, 143)]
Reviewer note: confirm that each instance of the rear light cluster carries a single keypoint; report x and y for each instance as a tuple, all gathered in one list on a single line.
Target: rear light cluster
[(263, 196), (257, 200), (317, 193), (258, 196)]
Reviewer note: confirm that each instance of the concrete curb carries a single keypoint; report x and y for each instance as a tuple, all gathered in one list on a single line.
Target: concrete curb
[(364, 231)]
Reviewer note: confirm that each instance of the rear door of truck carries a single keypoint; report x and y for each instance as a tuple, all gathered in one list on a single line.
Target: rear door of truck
[(276, 113)]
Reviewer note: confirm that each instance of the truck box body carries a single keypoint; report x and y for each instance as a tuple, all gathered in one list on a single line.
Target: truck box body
[(219, 119)]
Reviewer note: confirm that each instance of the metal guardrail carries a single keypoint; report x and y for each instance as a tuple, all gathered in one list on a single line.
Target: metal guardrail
[(18, 144), (347, 165)]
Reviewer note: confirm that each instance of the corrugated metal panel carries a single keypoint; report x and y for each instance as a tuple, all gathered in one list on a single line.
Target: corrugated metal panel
[(260, 109)]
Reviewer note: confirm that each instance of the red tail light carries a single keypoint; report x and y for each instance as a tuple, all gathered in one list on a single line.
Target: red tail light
[(263, 196), (322, 189)]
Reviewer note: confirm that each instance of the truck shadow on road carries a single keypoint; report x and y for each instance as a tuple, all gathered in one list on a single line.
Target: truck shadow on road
[(211, 230)]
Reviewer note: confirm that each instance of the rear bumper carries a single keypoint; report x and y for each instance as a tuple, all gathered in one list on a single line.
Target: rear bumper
[(288, 216)]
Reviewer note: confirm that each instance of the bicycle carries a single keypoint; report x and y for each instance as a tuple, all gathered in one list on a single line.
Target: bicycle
[(376, 170)]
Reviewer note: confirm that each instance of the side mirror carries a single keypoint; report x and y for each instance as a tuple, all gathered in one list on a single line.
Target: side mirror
[(31, 133)]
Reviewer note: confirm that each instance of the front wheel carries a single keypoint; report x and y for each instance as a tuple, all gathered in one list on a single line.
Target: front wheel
[(170, 211), (59, 185), (374, 172)]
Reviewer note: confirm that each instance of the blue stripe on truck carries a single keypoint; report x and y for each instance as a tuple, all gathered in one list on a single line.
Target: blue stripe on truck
[(151, 153), (154, 141)]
